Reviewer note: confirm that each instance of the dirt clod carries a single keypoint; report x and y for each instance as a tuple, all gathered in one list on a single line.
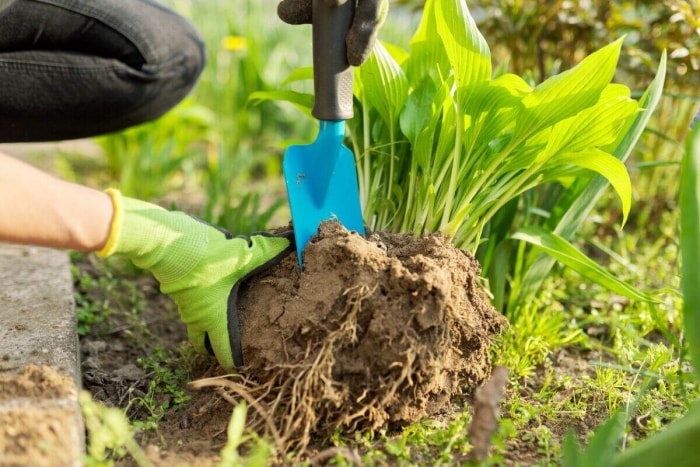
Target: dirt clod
[(35, 427), (375, 332)]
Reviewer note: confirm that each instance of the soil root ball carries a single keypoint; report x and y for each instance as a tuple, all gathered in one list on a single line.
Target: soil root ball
[(378, 331)]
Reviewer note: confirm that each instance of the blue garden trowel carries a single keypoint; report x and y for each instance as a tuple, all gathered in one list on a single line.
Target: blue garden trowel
[(321, 177)]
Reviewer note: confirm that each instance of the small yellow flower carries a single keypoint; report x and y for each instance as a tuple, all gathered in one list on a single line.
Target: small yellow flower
[(234, 43)]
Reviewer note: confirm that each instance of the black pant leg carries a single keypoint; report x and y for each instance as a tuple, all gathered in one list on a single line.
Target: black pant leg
[(77, 68)]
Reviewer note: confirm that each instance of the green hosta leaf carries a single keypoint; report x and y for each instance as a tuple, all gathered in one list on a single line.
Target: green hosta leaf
[(690, 245), (384, 83), (300, 74), (564, 95), (419, 109), (466, 48), (302, 101), (606, 165), (491, 106), (571, 222), (397, 53), (567, 254), (596, 126), (427, 54)]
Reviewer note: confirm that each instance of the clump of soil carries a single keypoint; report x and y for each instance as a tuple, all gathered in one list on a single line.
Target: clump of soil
[(35, 381), (375, 332)]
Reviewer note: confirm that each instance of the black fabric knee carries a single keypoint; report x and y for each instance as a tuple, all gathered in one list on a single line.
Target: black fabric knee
[(77, 68)]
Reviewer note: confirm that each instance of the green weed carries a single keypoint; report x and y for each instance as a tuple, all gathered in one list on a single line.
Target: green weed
[(110, 435), (536, 331), (169, 373), (100, 294), (259, 451)]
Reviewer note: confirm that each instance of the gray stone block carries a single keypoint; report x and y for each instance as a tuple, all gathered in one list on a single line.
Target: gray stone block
[(38, 333)]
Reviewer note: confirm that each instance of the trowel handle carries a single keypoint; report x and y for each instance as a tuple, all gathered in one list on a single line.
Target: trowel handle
[(332, 72)]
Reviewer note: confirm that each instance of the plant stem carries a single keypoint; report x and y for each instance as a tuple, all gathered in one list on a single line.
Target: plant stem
[(495, 163), (459, 124), (392, 143), (366, 163)]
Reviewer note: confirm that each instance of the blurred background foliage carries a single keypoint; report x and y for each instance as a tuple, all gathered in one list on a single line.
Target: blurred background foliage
[(540, 39)]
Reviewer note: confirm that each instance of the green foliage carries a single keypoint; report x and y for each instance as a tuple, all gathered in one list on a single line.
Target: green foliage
[(259, 451), (570, 209), (601, 446), (168, 379), (539, 39), (676, 445), (240, 213), (247, 48), (151, 159), (166, 387), (100, 294), (564, 252), (690, 245), (110, 434), (535, 332), (437, 442), (88, 311)]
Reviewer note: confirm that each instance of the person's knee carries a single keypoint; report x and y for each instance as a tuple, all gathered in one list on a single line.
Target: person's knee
[(177, 52), (175, 77), (175, 56)]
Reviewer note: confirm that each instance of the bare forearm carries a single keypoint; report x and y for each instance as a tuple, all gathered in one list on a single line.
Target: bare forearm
[(39, 209)]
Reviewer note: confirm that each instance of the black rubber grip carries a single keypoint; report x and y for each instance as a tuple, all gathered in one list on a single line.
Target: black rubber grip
[(332, 72)]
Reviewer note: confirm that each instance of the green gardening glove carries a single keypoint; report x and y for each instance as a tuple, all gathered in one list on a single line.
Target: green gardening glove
[(200, 266), (369, 17)]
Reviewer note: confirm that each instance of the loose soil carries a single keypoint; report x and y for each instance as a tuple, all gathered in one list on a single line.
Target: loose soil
[(26, 425)]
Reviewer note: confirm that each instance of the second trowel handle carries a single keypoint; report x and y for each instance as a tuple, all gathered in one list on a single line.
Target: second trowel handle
[(332, 72)]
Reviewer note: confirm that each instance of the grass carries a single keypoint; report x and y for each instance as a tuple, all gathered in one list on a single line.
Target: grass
[(100, 292)]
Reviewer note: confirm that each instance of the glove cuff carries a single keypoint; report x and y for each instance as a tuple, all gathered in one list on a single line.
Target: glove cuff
[(116, 225)]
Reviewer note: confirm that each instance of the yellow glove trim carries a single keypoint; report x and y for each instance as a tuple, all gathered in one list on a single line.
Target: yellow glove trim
[(116, 225)]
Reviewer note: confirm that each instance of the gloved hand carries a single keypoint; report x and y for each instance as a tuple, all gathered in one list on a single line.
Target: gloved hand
[(199, 265), (369, 17)]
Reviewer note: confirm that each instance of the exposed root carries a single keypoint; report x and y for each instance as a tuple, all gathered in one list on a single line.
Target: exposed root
[(222, 385)]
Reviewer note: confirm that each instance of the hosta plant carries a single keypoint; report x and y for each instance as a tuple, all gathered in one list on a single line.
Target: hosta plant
[(442, 144)]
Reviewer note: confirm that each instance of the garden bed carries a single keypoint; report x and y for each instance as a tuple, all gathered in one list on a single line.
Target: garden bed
[(377, 333)]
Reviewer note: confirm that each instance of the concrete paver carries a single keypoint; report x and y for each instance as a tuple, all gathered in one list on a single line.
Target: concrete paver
[(38, 327)]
